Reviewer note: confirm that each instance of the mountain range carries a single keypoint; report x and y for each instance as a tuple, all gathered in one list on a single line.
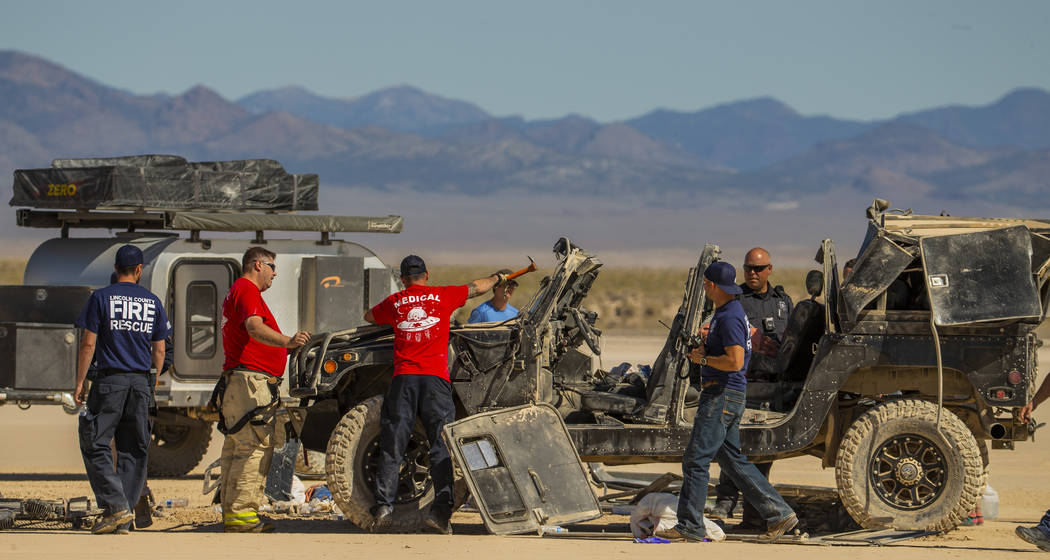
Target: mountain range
[(403, 139)]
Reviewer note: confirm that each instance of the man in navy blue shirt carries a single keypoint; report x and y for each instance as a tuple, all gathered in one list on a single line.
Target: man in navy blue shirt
[(123, 331), (716, 431)]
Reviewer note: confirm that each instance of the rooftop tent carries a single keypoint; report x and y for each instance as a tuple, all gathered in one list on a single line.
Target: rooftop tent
[(164, 182)]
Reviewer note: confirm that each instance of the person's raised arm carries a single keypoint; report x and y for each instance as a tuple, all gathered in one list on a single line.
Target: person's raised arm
[(482, 285)]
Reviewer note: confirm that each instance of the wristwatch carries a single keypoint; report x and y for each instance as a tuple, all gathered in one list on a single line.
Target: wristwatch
[(703, 361)]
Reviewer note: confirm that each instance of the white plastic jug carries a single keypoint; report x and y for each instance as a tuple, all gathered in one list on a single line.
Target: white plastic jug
[(990, 503)]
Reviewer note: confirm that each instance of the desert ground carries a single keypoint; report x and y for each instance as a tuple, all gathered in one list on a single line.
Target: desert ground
[(41, 458)]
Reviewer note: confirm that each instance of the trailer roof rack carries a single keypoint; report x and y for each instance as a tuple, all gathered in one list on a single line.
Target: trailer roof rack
[(196, 222)]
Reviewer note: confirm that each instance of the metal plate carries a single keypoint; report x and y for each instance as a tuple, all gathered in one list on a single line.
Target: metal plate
[(876, 268), (981, 276), (522, 469)]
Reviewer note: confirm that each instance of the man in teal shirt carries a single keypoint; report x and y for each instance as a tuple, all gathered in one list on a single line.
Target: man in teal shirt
[(498, 308)]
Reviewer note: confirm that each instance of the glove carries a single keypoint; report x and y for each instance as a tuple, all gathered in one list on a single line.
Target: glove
[(500, 278)]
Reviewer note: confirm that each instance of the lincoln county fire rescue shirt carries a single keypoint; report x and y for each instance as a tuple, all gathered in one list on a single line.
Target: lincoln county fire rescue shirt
[(419, 315), (243, 301), (127, 318)]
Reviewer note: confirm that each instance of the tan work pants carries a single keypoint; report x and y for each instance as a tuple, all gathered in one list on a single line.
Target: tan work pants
[(246, 454)]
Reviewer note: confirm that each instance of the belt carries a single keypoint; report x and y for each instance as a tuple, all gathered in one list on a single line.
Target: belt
[(110, 371), (251, 369)]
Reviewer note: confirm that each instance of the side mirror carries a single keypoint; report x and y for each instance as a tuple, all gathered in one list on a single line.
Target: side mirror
[(814, 282)]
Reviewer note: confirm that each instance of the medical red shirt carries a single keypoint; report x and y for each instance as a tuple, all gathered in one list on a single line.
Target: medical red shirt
[(243, 301), (420, 317)]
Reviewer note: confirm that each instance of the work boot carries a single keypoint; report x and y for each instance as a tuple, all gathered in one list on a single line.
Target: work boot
[(778, 529), (1034, 535), (723, 510), (257, 527), (674, 534), (111, 522), (381, 518), (143, 512), (123, 529), (440, 521)]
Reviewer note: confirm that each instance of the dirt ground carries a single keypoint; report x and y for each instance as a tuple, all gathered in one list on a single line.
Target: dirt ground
[(41, 458)]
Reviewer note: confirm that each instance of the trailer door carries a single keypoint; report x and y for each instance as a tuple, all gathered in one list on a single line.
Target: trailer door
[(198, 288)]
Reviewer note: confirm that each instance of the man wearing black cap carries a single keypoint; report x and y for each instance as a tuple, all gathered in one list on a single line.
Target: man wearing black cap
[(420, 386), (128, 325), (723, 361)]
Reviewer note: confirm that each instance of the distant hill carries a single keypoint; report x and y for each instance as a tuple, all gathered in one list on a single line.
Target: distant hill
[(744, 135), (403, 108), (403, 139)]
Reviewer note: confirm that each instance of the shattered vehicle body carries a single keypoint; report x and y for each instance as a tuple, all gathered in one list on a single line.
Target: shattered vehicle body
[(861, 381)]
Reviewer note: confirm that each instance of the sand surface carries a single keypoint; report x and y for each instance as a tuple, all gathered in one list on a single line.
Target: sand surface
[(40, 458)]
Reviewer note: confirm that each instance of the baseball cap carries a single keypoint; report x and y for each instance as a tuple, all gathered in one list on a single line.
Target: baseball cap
[(412, 265), (129, 255), (506, 271), (724, 276)]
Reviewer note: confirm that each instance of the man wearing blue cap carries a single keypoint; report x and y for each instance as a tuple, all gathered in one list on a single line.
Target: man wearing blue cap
[(723, 361), (127, 324)]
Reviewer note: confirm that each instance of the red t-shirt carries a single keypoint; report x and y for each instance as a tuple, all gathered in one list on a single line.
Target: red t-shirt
[(419, 315), (243, 301)]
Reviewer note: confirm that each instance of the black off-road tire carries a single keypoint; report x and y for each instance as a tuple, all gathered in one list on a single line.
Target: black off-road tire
[(175, 450), (952, 458), (345, 469)]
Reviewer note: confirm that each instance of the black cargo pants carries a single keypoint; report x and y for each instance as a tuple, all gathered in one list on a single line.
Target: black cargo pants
[(430, 398), (117, 410)]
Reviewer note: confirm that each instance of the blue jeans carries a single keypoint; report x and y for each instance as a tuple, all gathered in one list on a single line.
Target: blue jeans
[(716, 435)]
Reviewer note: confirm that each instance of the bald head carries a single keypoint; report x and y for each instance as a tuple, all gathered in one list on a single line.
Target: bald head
[(757, 268)]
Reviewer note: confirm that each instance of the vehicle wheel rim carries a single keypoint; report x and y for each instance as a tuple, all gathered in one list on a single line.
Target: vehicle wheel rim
[(908, 472), (414, 473)]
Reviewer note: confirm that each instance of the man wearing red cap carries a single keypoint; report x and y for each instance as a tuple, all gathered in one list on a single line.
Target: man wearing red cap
[(723, 361)]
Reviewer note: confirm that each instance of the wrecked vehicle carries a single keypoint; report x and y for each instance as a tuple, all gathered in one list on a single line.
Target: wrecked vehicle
[(898, 378)]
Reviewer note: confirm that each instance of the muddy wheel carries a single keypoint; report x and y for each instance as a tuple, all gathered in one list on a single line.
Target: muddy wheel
[(350, 466), (893, 468), (175, 449)]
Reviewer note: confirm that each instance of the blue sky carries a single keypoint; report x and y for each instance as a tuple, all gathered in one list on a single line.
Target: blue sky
[(609, 60)]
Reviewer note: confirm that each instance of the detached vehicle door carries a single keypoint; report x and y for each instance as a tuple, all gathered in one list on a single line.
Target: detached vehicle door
[(522, 469), (982, 276)]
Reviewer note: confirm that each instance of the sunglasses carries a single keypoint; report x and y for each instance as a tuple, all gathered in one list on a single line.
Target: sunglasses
[(272, 266), (755, 268)]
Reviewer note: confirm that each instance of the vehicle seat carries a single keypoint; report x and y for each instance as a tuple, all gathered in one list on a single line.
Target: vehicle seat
[(804, 328)]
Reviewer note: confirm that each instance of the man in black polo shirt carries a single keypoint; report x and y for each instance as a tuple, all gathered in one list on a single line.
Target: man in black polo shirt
[(128, 325)]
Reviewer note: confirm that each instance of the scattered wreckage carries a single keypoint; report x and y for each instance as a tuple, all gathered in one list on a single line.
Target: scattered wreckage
[(898, 377)]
